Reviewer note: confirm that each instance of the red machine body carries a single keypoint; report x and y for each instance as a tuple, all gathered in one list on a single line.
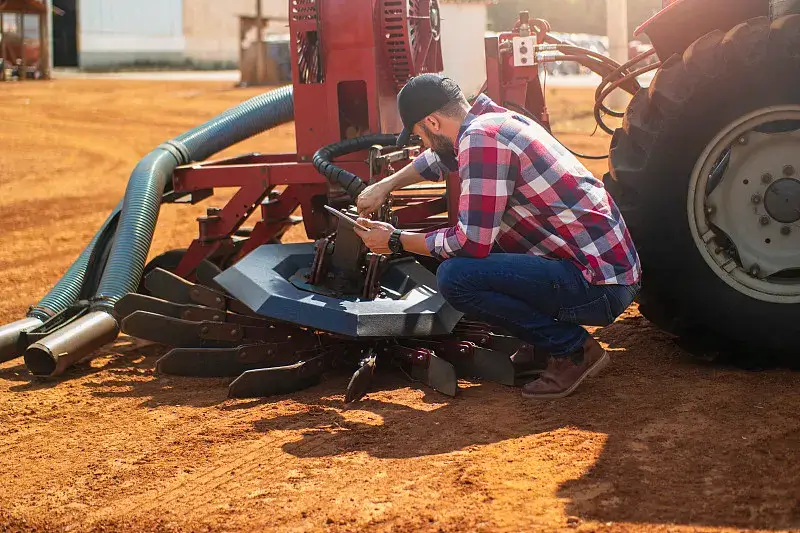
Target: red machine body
[(349, 61)]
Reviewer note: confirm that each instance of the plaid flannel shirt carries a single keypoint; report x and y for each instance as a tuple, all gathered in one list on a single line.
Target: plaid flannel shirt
[(521, 189)]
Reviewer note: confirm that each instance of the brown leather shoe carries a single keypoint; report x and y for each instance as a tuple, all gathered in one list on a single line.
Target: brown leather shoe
[(529, 361), (564, 374)]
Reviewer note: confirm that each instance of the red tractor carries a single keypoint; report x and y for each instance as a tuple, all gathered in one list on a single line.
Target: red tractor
[(704, 169)]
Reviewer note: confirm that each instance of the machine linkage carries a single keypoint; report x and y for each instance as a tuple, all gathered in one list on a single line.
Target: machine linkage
[(212, 334)]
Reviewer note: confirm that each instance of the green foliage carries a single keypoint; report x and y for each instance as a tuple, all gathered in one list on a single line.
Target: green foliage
[(570, 16)]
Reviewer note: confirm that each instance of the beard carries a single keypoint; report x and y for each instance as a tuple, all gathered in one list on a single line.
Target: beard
[(442, 147)]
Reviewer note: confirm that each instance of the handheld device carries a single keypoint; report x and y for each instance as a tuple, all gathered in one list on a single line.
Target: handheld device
[(345, 218)]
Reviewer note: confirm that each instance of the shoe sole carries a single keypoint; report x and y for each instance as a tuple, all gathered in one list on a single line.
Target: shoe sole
[(593, 371)]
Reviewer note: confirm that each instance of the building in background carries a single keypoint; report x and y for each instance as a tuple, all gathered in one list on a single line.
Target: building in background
[(464, 24), (102, 34), (108, 34)]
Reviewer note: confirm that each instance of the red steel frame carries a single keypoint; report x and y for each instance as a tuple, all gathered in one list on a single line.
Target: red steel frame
[(350, 92)]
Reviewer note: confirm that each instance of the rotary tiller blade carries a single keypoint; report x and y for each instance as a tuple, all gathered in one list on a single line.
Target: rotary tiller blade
[(279, 380), (438, 375), (361, 380)]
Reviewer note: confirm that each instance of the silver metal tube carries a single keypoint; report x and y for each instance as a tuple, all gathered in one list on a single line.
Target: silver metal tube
[(55, 353), (9, 334)]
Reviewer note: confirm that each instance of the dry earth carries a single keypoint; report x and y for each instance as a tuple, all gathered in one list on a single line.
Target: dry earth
[(660, 443)]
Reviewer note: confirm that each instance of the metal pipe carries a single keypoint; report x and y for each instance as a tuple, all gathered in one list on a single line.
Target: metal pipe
[(9, 335), (55, 353)]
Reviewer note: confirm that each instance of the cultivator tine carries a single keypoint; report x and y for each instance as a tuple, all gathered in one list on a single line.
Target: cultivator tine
[(439, 375), (187, 334), (168, 286), (167, 330), (428, 368), (490, 365), (226, 362), (471, 361), (132, 302), (205, 274), (361, 380), (280, 380)]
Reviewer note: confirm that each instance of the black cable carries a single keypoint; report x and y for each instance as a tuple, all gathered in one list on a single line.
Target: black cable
[(530, 115)]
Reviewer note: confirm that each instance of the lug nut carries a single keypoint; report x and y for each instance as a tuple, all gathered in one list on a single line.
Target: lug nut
[(754, 270), (788, 170), (786, 230), (756, 198), (766, 177), (764, 220)]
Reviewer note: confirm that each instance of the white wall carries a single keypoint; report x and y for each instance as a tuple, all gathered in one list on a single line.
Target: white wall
[(211, 27), (124, 31), (463, 30)]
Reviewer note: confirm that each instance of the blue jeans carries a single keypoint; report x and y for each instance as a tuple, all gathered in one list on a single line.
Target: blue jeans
[(540, 301)]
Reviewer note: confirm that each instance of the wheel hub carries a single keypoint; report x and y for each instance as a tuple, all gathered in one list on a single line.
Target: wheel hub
[(744, 206), (782, 200)]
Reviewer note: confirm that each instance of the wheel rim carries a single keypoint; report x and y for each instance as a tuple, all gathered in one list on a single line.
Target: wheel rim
[(744, 204)]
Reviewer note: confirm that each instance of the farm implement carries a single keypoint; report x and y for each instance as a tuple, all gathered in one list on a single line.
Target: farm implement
[(240, 303)]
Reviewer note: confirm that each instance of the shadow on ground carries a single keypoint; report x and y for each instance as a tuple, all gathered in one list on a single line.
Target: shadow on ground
[(687, 442)]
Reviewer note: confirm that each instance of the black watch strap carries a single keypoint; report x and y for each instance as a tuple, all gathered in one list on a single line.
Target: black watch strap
[(394, 242)]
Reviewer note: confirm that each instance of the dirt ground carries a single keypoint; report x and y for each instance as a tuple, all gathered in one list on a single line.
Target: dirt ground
[(660, 442)]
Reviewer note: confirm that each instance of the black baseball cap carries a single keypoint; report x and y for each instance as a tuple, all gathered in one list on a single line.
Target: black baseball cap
[(421, 96)]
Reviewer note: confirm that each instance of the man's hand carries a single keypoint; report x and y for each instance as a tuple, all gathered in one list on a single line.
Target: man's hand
[(377, 238), (372, 198)]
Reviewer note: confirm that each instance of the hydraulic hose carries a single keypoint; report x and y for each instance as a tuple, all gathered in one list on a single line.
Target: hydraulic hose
[(140, 208), (351, 183)]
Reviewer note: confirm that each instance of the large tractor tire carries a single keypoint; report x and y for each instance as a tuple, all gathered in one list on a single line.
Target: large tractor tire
[(706, 170)]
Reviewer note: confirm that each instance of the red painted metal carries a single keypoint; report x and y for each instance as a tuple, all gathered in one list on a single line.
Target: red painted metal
[(515, 87), (411, 31), (345, 85)]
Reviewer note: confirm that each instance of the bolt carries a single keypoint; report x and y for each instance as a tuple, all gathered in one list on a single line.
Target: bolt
[(483, 341), (788, 170), (269, 352), (234, 331), (764, 220), (756, 198), (766, 177), (786, 230), (216, 318), (718, 250), (754, 270), (218, 300), (204, 330), (710, 210), (742, 140)]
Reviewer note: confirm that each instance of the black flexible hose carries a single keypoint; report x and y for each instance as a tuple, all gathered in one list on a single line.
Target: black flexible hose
[(351, 183)]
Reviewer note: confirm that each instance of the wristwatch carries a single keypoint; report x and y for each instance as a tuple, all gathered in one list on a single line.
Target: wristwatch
[(394, 242)]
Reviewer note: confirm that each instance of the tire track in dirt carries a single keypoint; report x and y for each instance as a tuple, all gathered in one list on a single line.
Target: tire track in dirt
[(162, 498)]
